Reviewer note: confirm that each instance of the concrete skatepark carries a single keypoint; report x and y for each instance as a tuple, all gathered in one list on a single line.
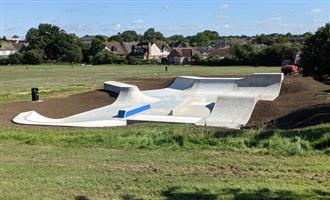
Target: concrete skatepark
[(218, 102)]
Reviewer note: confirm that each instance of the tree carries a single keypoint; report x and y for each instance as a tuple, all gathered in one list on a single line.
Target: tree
[(151, 35), (54, 43), (264, 39), (204, 38), (280, 39), (116, 38), (176, 38), (97, 45), (33, 57), (315, 59), (245, 54), (130, 36), (274, 55)]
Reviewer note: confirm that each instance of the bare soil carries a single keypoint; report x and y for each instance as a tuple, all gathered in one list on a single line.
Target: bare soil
[(302, 102)]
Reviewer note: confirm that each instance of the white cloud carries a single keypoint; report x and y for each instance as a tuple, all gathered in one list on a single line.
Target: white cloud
[(138, 21), (313, 11), (221, 17), (273, 19), (227, 25), (166, 7), (225, 6)]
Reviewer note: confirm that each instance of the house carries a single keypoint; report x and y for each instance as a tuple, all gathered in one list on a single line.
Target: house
[(87, 39), (21, 47), (181, 44), (182, 56), (205, 51), (128, 46), (15, 39), (115, 48), (222, 52), (6, 49), (151, 51)]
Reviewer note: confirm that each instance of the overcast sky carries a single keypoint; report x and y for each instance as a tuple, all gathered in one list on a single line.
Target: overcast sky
[(170, 17)]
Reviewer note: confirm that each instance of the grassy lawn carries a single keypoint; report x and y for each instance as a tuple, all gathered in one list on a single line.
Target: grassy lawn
[(164, 162), (16, 81), (154, 161)]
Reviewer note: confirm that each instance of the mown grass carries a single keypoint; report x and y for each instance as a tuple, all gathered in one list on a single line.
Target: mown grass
[(17, 81), (163, 136), (161, 161)]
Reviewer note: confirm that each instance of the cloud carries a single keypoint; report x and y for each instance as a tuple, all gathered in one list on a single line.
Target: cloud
[(227, 25), (138, 21), (314, 11), (225, 6), (269, 21), (38, 18), (221, 17), (273, 19), (167, 7), (71, 10)]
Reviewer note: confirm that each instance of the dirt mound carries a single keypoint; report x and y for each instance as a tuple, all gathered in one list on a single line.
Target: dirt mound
[(298, 94), (297, 84)]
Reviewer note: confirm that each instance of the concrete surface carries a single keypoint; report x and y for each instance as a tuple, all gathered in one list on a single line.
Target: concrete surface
[(219, 102)]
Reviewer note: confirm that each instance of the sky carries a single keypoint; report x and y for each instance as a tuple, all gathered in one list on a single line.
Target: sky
[(108, 17)]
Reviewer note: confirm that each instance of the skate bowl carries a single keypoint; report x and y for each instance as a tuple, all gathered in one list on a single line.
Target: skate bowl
[(217, 102)]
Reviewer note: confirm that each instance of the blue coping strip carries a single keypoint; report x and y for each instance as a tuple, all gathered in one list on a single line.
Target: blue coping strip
[(126, 113)]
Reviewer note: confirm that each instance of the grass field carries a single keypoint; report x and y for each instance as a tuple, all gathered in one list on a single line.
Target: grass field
[(153, 161), (16, 81), (164, 162)]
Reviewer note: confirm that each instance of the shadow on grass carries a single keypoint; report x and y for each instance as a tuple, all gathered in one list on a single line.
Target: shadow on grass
[(80, 197), (263, 193), (173, 193)]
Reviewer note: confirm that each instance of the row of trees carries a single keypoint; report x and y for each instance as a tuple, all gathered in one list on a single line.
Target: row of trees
[(50, 43), (250, 55)]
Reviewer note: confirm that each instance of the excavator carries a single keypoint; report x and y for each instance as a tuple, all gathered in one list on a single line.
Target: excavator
[(288, 67)]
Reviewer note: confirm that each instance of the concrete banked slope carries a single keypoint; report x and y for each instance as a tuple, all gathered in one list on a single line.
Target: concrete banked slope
[(219, 102)]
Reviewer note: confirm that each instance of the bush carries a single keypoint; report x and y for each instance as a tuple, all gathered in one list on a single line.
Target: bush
[(16, 58), (33, 57), (4, 61), (131, 60), (105, 57)]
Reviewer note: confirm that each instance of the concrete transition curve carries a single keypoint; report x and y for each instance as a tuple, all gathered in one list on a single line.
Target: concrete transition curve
[(218, 102)]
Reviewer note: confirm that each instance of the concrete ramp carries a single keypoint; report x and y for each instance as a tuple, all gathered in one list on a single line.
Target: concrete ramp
[(231, 111), (219, 102)]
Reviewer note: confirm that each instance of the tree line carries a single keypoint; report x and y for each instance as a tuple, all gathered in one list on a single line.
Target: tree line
[(50, 43)]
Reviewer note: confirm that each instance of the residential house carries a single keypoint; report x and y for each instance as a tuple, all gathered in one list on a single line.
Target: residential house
[(222, 52), (14, 39), (128, 46), (87, 39), (182, 56), (181, 44), (6, 49), (151, 51), (205, 51), (21, 47), (115, 48)]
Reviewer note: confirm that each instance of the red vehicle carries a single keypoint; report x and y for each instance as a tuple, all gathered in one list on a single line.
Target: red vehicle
[(288, 69)]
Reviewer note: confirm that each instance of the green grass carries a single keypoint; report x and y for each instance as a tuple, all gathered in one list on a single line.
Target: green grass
[(17, 81), (162, 161)]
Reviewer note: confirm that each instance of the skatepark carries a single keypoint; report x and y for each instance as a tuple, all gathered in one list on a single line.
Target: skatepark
[(215, 102)]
